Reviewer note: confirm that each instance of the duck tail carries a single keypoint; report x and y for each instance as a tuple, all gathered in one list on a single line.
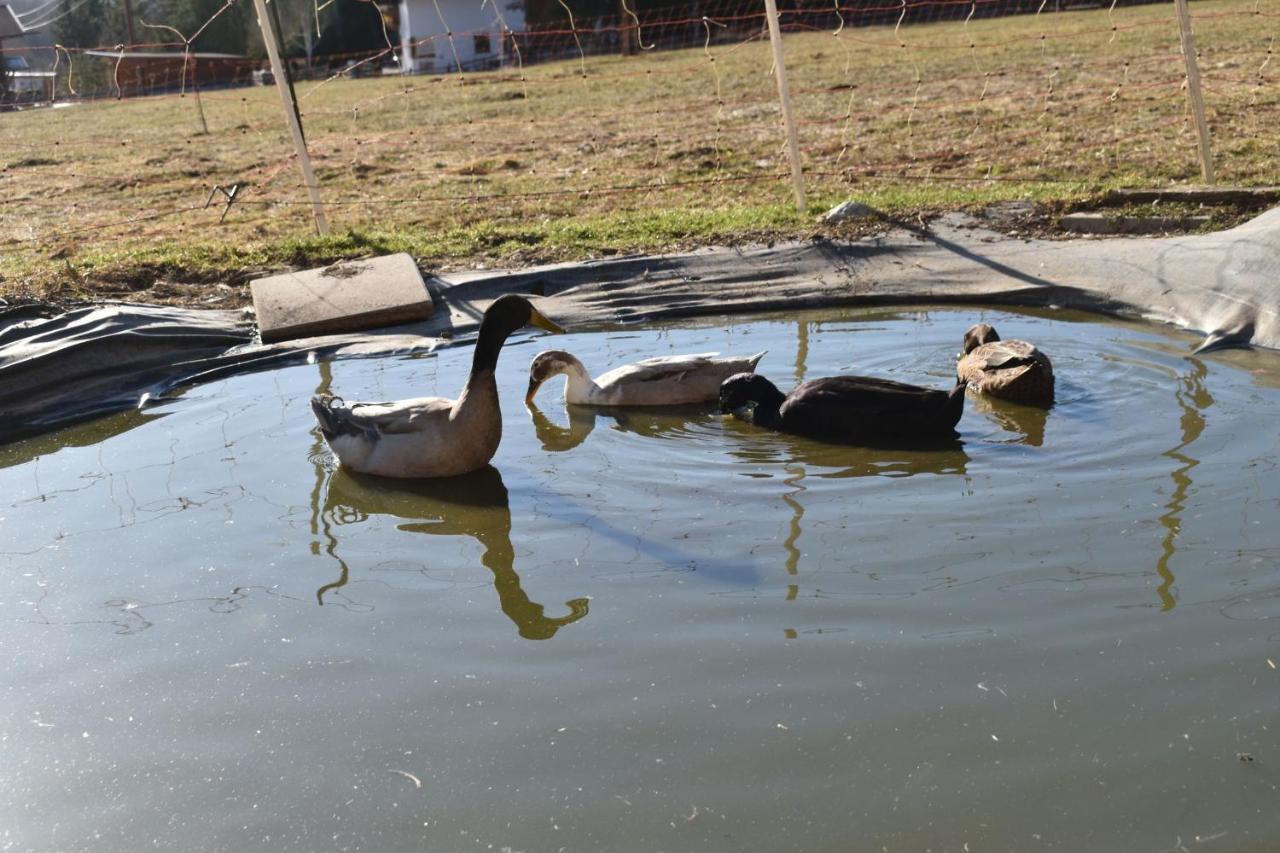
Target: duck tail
[(335, 418), (322, 406), (755, 359)]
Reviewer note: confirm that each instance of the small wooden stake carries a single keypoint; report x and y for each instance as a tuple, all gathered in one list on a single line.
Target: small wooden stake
[(784, 97), (279, 71), (195, 87), (1193, 89)]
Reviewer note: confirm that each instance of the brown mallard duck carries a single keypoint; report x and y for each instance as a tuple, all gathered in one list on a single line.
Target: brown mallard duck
[(1010, 370)]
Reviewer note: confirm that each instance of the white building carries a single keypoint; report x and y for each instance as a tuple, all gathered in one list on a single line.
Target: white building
[(457, 32)]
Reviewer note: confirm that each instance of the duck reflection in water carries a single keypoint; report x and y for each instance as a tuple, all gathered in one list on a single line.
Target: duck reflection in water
[(1027, 421), (475, 505), (753, 445), (665, 422), (657, 422)]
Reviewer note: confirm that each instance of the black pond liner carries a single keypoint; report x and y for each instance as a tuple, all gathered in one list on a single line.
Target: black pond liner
[(60, 367)]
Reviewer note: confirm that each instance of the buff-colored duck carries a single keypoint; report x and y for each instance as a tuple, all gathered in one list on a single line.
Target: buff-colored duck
[(671, 380), (431, 436), (1011, 370)]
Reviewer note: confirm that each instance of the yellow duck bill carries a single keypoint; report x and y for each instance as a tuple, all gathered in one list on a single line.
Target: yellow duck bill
[(537, 318)]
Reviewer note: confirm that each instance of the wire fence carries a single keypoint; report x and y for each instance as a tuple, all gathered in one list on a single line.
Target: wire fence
[(666, 112)]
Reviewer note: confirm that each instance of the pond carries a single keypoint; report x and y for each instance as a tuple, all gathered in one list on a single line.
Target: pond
[(659, 631)]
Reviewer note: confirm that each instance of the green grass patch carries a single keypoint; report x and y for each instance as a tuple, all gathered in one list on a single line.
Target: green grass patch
[(661, 151)]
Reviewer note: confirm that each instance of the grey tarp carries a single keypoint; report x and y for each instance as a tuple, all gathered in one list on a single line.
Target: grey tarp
[(55, 368)]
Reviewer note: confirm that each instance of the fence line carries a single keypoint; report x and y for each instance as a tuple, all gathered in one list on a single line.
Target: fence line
[(942, 93)]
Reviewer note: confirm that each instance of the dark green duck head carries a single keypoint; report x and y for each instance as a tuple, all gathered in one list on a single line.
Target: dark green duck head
[(506, 315)]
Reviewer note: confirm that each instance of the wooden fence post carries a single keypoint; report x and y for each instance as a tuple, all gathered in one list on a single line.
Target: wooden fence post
[(279, 71), (1193, 89), (784, 97), (195, 87)]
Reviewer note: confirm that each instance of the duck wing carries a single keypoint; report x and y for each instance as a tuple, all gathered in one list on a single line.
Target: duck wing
[(859, 406), (373, 419), (863, 394), (670, 380), (422, 437), (1013, 370), (657, 369), (1000, 355)]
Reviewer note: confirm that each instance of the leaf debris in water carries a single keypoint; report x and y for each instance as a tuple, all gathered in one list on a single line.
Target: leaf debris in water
[(417, 783)]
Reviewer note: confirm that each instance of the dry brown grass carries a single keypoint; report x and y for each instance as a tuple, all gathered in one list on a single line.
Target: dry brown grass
[(666, 148)]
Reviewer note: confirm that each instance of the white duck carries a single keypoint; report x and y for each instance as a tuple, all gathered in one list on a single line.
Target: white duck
[(431, 436), (670, 380)]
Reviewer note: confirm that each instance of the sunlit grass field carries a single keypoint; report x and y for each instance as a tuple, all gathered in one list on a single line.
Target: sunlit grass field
[(610, 154)]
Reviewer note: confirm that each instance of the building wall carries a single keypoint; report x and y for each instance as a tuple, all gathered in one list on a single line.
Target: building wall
[(477, 34)]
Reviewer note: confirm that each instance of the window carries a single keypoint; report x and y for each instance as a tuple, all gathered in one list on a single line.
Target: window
[(482, 44)]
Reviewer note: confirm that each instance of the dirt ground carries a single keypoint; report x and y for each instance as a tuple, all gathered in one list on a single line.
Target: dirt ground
[(1020, 119)]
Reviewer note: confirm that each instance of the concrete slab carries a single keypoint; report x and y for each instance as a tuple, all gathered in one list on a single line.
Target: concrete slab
[(346, 297)]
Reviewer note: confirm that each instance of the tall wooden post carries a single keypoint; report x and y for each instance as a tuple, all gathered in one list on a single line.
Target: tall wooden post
[(128, 24), (280, 72), (626, 33), (195, 87), (1193, 89), (784, 97)]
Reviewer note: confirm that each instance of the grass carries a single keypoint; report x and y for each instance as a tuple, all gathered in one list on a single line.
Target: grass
[(659, 151)]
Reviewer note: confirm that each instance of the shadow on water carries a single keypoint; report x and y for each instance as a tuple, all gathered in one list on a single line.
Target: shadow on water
[(87, 434), (658, 423), (797, 457), (800, 457)]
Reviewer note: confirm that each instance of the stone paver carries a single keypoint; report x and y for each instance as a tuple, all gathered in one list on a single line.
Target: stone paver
[(345, 297)]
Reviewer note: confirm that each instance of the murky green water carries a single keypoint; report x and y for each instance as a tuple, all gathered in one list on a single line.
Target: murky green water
[(656, 632)]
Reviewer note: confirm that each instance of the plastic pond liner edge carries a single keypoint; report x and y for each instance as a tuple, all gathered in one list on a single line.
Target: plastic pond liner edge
[(58, 367)]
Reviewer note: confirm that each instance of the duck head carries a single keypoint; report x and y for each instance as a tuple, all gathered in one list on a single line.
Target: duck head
[(511, 312), (546, 365), (503, 317), (743, 390), (980, 334)]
